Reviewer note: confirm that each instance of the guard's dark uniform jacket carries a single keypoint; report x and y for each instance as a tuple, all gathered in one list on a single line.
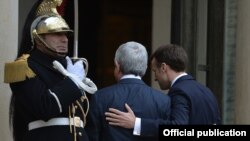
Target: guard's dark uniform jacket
[(44, 96)]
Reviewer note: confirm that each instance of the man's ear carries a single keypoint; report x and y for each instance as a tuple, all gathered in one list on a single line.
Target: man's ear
[(117, 65), (39, 42), (164, 67)]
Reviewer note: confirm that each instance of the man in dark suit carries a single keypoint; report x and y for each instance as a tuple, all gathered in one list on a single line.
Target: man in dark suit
[(130, 65), (191, 102)]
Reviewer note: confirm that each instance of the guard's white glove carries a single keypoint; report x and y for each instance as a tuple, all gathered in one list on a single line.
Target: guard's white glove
[(76, 68), (72, 76), (86, 85)]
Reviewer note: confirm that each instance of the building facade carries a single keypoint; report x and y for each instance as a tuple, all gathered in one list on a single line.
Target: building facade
[(215, 34)]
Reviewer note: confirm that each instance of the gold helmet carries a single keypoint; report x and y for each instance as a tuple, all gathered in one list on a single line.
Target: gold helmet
[(48, 20), (48, 24), (52, 24)]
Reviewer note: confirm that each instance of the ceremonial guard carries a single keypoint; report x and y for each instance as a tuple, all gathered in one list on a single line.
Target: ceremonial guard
[(49, 101)]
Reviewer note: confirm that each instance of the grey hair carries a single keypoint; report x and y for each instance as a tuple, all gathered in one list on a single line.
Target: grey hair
[(132, 58)]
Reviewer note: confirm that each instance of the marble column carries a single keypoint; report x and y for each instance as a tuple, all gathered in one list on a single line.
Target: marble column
[(229, 61), (161, 30), (242, 90), (8, 43)]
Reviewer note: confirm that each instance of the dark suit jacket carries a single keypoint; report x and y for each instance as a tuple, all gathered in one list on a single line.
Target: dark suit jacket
[(145, 102), (191, 103)]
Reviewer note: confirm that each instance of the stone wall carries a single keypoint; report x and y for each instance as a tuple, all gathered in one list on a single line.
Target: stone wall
[(8, 46)]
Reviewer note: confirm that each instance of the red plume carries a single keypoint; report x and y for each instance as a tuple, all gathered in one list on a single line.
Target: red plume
[(60, 9)]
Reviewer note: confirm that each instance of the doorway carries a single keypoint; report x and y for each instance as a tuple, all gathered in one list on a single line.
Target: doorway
[(103, 26), (198, 26)]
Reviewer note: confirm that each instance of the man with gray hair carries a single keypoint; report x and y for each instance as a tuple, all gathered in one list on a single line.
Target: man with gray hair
[(130, 62)]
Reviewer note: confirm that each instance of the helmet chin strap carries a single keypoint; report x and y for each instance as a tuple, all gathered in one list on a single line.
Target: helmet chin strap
[(49, 48)]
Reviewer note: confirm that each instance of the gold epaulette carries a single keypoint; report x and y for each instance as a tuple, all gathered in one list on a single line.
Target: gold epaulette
[(18, 70)]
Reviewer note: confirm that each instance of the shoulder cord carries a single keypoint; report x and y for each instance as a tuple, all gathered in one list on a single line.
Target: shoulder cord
[(72, 111)]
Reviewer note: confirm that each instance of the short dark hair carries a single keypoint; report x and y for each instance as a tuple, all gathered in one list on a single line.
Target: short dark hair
[(173, 55)]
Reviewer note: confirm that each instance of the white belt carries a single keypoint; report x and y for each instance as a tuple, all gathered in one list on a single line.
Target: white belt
[(56, 121)]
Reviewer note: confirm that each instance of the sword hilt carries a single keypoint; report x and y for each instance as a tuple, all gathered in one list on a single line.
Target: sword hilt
[(85, 63)]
